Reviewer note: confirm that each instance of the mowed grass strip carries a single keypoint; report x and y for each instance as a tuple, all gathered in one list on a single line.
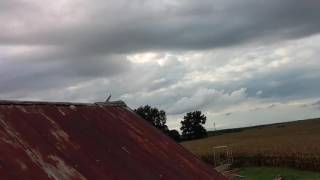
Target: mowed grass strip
[(267, 173), (293, 144)]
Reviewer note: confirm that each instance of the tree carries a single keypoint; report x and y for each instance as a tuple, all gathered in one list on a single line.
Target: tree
[(191, 125), (154, 116), (174, 134)]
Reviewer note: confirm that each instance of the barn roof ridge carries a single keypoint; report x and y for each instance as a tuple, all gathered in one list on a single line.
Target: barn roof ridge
[(57, 103)]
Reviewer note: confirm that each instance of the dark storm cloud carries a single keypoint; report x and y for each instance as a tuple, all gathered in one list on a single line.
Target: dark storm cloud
[(41, 75), (139, 25)]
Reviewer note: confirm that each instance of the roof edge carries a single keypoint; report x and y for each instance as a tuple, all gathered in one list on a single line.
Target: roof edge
[(16, 102)]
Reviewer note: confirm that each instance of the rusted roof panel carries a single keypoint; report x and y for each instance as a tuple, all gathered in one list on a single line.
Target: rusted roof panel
[(41, 140)]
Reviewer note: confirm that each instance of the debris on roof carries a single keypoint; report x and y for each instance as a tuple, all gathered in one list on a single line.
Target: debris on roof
[(54, 140)]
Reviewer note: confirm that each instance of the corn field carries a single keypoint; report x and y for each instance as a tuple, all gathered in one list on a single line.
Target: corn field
[(294, 145)]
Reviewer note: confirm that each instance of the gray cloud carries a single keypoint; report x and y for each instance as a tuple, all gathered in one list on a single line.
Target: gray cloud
[(24, 76), (271, 106), (122, 26), (315, 104)]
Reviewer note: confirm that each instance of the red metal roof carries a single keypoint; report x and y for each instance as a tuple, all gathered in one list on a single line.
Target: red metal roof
[(40, 140)]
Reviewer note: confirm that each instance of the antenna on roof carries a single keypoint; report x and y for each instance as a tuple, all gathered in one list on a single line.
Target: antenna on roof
[(109, 97)]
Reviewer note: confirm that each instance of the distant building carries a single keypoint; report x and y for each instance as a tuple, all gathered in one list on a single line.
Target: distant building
[(47, 140)]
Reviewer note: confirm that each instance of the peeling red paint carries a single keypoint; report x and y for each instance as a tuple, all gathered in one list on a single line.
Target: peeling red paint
[(41, 140)]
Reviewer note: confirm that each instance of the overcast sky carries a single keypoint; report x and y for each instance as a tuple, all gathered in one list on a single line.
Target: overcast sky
[(241, 62)]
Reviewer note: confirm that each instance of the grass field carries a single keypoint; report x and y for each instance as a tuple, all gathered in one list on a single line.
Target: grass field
[(267, 173), (293, 144)]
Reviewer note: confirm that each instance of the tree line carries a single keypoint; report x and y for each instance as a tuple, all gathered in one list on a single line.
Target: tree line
[(191, 125)]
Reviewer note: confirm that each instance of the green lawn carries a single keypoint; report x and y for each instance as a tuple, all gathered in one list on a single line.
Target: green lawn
[(269, 173)]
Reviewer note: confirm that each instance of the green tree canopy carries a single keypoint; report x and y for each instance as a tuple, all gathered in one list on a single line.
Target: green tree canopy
[(174, 134), (154, 116), (191, 125)]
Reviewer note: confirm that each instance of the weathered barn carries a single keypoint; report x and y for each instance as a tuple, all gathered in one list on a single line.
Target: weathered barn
[(41, 140)]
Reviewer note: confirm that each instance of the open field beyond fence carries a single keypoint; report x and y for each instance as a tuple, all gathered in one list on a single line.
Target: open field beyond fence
[(293, 144)]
